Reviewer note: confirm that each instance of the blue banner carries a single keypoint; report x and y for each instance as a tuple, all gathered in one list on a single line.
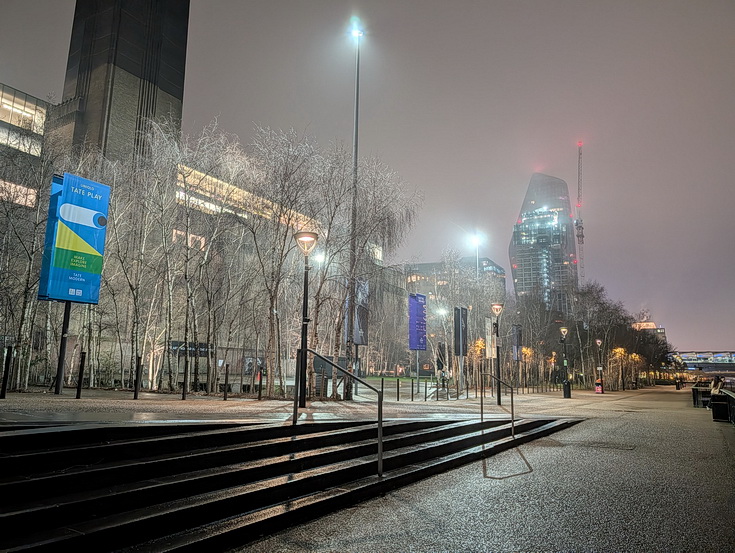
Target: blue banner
[(362, 314), (75, 240), (417, 322)]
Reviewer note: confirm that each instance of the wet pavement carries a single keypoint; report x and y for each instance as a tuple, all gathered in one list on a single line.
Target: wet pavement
[(644, 472)]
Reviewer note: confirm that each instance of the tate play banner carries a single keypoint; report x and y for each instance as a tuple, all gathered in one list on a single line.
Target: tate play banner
[(75, 240)]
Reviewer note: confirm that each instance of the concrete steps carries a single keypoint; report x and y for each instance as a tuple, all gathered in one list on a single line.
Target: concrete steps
[(214, 489)]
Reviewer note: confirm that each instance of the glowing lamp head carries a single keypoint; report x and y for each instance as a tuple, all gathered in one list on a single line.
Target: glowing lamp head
[(306, 241), (598, 342), (356, 27)]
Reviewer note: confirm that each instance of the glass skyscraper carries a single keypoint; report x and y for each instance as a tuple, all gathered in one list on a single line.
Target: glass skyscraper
[(543, 253)]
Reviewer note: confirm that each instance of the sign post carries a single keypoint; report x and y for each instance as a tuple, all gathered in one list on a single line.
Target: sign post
[(71, 270)]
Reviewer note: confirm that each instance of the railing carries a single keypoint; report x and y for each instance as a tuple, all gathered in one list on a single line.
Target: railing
[(730, 404), (348, 374), (482, 404), (723, 406)]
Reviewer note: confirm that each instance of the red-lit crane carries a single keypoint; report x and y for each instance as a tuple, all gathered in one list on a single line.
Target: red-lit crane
[(578, 225)]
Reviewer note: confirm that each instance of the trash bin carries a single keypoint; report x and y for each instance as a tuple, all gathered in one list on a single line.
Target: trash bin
[(718, 405), (598, 386), (678, 387), (567, 387)]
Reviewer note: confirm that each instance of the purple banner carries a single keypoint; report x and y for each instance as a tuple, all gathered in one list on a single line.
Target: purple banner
[(417, 322)]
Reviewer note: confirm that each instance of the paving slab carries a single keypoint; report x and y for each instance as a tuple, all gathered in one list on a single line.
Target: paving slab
[(644, 472)]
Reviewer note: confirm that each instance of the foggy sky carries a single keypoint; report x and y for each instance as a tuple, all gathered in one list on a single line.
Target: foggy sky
[(466, 99)]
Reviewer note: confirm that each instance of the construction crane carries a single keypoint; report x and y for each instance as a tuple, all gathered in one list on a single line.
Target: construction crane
[(578, 225)]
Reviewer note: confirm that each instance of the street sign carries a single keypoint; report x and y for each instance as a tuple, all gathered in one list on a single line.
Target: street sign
[(460, 331), (489, 339), (192, 350), (517, 342)]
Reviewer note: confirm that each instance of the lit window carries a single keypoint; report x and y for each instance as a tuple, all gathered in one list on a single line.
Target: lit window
[(17, 194)]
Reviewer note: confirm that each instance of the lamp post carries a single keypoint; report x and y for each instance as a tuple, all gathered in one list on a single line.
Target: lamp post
[(497, 309), (306, 241), (352, 292), (599, 367), (566, 385), (475, 239)]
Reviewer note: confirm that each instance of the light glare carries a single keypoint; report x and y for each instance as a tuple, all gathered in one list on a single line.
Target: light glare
[(356, 27)]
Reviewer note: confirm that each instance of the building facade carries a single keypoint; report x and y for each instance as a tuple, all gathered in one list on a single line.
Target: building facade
[(126, 63), (22, 127), (439, 280), (542, 250)]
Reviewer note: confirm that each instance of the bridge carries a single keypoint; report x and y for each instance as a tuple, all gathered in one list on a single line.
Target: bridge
[(707, 361)]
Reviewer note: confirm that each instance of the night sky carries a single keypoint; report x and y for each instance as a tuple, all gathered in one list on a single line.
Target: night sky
[(466, 99)]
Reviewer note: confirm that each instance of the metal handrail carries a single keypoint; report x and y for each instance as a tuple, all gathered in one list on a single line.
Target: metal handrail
[(380, 405), (512, 410)]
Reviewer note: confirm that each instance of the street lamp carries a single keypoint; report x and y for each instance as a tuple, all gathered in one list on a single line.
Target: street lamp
[(306, 242), (565, 383), (497, 309), (357, 33), (599, 367)]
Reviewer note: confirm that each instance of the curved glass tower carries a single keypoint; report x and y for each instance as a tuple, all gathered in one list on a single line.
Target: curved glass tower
[(543, 255)]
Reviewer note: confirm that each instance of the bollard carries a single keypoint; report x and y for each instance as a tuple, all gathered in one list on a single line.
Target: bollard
[(398, 389), (412, 389), (6, 372), (80, 379), (138, 376), (227, 378), (426, 389)]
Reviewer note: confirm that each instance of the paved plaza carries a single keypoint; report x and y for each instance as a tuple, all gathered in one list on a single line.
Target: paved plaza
[(644, 472)]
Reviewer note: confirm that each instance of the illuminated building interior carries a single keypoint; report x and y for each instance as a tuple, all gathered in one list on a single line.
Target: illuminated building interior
[(542, 249)]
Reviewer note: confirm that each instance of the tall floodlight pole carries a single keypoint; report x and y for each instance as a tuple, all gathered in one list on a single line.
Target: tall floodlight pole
[(306, 242), (352, 291), (475, 239)]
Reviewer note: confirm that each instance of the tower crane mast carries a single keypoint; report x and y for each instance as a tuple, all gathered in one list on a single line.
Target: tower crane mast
[(578, 225)]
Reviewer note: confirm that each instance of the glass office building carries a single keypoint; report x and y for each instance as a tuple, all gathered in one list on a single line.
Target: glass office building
[(22, 126), (22, 120), (542, 250)]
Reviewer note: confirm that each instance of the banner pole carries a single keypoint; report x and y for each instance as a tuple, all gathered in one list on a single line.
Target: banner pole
[(62, 348)]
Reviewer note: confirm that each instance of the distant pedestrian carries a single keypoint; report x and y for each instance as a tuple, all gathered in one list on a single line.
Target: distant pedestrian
[(716, 385)]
